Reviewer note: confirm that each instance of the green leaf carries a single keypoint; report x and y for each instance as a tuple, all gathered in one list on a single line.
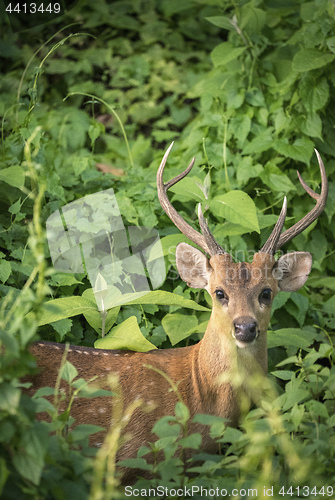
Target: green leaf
[(164, 428), (217, 424), (318, 245), (312, 125), (314, 93), (163, 298), (95, 130), (309, 59), (295, 396), (5, 270), (169, 243), (84, 431), (325, 351), (193, 441), (57, 309), (43, 392), (317, 410), (252, 19), (240, 126), (63, 279), (94, 318), (267, 220), (4, 473), (225, 52), (301, 149), (282, 121), (69, 372), (237, 207), (165, 443), (9, 397), (190, 188), (127, 336), (275, 179), (135, 463), (280, 300), (15, 208), (283, 374), (263, 142), (290, 336), (29, 460), (14, 176), (179, 326), (182, 412), (221, 22), (327, 282), (62, 327), (88, 390), (329, 306), (255, 97), (298, 307), (231, 436), (229, 229)]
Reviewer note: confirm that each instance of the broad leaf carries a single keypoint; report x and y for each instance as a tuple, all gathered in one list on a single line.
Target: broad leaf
[(57, 309), (93, 316), (262, 142), (163, 298), (190, 188), (179, 326), (5, 270), (290, 337), (169, 243), (127, 336), (237, 207), (308, 59), (69, 372), (225, 52), (14, 176), (221, 21), (301, 149), (275, 179)]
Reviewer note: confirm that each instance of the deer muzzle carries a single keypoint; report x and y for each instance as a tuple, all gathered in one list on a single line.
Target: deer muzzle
[(245, 329)]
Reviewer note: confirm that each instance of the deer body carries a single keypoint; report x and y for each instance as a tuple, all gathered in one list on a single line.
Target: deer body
[(234, 345)]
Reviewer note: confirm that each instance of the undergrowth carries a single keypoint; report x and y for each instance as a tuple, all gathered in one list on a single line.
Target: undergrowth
[(247, 88)]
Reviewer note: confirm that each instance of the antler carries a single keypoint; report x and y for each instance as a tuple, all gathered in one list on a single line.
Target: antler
[(275, 240), (272, 241), (206, 240)]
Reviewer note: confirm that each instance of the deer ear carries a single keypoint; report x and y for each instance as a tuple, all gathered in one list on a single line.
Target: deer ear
[(292, 270), (193, 266)]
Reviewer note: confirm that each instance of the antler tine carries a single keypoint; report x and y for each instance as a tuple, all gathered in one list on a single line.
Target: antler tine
[(321, 200), (206, 241), (214, 247), (272, 241), (168, 208)]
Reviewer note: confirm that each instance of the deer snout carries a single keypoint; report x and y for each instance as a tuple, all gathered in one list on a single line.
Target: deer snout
[(245, 329)]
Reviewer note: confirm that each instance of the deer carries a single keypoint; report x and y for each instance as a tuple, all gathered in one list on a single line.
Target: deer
[(234, 342)]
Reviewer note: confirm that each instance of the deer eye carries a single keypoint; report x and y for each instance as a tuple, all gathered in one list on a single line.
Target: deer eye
[(265, 296), (221, 295)]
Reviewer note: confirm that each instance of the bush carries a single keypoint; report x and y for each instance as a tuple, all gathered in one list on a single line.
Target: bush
[(248, 89)]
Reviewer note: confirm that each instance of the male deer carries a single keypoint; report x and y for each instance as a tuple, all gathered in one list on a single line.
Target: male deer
[(235, 340)]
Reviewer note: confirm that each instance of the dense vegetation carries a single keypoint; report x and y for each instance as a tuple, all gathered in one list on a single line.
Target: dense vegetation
[(90, 102)]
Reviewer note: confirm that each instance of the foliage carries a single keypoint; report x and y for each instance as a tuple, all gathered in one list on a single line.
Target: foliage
[(247, 88)]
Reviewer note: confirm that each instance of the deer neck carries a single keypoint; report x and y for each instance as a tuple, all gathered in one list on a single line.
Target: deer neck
[(222, 369)]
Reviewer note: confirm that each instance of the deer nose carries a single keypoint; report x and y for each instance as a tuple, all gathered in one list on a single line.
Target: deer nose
[(245, 329)]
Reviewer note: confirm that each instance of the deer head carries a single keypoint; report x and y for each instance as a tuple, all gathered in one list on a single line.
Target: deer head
[(242, 292)]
